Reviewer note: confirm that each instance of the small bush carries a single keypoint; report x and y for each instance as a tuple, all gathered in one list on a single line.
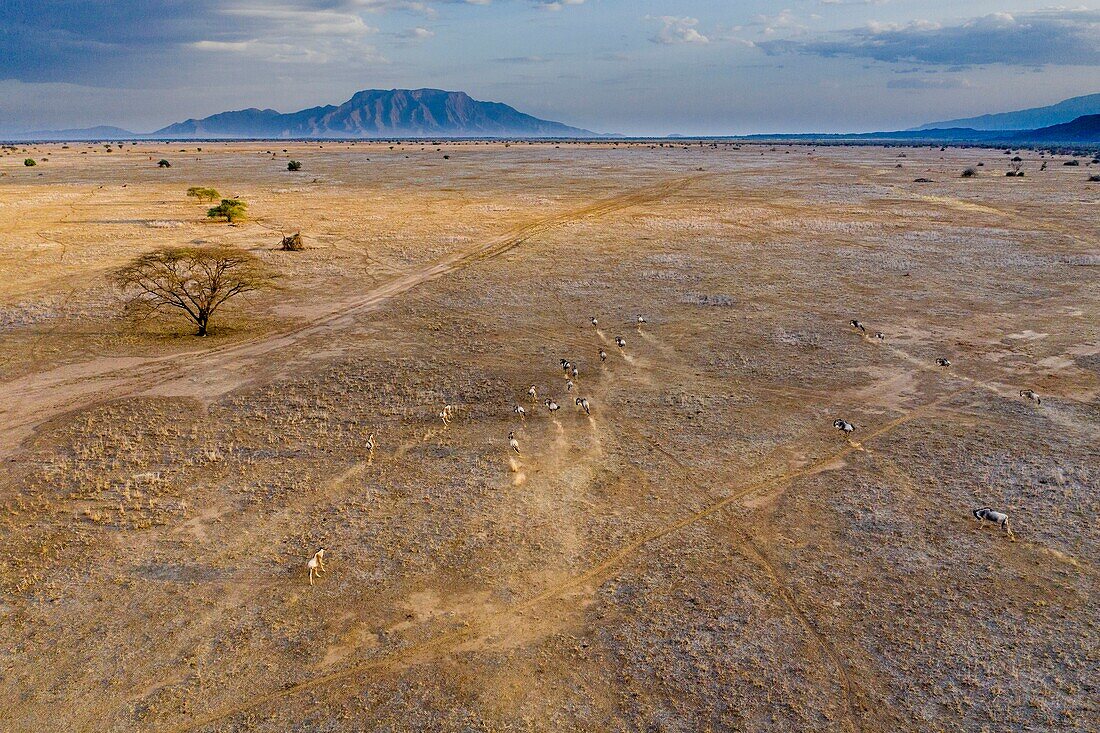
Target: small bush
[(294, 165), (29, 162), (922, 180), (1094, 178), (969, 173), (162, 163), (1071, 162), (293, 243)]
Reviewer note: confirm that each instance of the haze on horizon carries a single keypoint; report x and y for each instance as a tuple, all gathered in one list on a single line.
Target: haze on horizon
[(641, 67)]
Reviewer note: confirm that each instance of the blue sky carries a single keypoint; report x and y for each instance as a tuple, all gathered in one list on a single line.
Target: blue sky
[(628, 66)]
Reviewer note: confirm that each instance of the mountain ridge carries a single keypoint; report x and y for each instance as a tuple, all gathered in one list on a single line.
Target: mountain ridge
[(1083, 129), (378, 113), (103, 132), (435, 113), (1025, 119)]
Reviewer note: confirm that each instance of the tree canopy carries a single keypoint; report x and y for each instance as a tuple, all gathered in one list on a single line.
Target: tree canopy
[(195, 280), (231, 209), (203, 194)]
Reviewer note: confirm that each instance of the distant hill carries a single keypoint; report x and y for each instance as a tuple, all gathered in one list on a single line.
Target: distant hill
[(1084, 129), (1027, 119), (376, 113), (102, 132)]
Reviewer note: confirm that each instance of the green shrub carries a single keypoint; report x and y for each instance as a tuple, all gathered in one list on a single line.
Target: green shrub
[(29, 162), (294, 166), (229, 209), (203, 194)]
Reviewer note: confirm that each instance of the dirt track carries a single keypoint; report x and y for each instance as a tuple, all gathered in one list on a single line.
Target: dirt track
[(705, 552), (39, 397)]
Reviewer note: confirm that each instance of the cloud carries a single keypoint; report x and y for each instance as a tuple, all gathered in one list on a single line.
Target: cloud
[(675, 30), (783, 21), (85, 41), (853, 2), (555, 4), (523, 60), (281, 34), (1042, 38), (418, 34), (301, 22), (918, 82)]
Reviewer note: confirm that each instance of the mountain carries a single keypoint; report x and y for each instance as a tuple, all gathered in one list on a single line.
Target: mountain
[(1027, 119), (1085, 129), (102, 132), (376, 113), (951, 135), (250, 122)]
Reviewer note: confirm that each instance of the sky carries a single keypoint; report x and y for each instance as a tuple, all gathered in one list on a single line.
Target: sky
[(636, 67)]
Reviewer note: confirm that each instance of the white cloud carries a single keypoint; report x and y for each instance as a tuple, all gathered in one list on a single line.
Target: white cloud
[(1054, 37), (418, 34), (676, 30)]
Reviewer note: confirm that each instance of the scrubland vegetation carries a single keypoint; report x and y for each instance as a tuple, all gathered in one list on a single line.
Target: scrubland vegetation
[(703, 551)]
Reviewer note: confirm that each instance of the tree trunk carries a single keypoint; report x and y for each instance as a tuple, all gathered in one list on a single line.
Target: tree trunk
[(202, 326)]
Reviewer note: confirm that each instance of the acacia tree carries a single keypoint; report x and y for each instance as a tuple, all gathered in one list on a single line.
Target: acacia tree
[(195, 280), (231, 209), (203, 194)]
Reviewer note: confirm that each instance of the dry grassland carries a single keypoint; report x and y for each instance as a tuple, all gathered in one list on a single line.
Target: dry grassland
[(704, 553)]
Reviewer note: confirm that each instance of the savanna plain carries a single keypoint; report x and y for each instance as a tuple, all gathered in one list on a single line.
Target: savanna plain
[(703, 552)]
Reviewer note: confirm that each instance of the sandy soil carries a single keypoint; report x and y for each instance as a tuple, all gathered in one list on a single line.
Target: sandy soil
[(702, 553)]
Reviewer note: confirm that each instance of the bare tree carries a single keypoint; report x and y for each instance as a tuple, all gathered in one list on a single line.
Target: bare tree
[(195, 280)]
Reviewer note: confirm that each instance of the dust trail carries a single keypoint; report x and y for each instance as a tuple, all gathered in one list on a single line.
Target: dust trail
[(636, 547), (408, 445), (658, 343), (516, 467)]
